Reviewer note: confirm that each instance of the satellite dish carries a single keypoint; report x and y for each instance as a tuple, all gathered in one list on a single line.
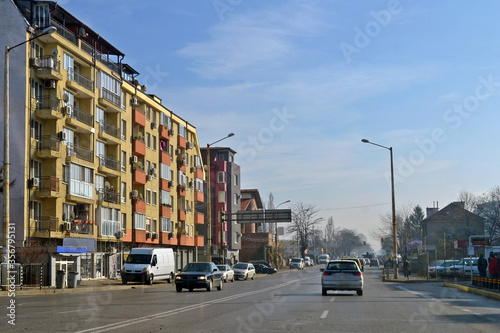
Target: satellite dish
[(140, 196), (66, 98), (107, 185), (55, 52), (144, 88), (139, 165), (82, 33)]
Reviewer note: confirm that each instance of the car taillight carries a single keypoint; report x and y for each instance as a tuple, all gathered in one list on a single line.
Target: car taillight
[(327, 273), (357, 274)]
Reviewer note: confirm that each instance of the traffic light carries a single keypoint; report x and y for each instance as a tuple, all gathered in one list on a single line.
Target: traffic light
[(364, 243), (381, 239)]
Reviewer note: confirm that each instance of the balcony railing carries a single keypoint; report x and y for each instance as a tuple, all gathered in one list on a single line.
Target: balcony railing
[(86, 47), (66, 33), (48, 62), (109, 162), (48, 142), (109, 129), (80, 152), (104, 58), (108, 195), (47, 223), (47, 102), (82, 116), (82, 227), (49, 183), (110, 96), (81, 79)]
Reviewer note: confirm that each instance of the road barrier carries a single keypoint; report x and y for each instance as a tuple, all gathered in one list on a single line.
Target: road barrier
[(485, 282)]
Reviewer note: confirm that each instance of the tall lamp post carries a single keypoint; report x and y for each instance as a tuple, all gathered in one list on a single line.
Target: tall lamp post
[(209, 197), (276, 233), (6, 133), (394, 225)]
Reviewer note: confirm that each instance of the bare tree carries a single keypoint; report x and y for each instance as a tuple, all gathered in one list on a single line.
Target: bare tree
[(469, 199), (347, 240), (488, 207), (330, 236), (303, 220), (384, 230)]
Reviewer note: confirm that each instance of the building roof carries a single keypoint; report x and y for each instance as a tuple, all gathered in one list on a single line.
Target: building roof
[(254, 193), (245, 204), (455, 211)]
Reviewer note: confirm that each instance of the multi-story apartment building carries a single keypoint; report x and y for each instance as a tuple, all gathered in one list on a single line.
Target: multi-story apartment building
[(100, 165), (226, 198)]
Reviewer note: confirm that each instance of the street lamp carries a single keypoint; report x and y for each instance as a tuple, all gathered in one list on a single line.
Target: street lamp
[(276, 233), (394, 226), (6, 142), (209, 198)]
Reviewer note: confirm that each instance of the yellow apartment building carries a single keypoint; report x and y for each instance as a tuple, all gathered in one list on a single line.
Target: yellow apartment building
[(100, 164)]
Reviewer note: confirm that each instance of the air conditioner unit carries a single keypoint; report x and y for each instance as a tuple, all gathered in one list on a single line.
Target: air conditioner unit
[(155, 236), (153, 171), (178, 151), (191, 184), (170, 235), (67, 109), (182, 162), (154, 125), (192, 169), (171, 183), (35, 62), (172, 132), (61, 135), (67, 226), (35, 182), (135, 102), (189, 145), (149, 235), (49, 84), (120, 234), (149, 177), (135, 194), (134, 159)]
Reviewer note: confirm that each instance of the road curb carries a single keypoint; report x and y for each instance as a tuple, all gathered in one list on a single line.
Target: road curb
[(481, 292)]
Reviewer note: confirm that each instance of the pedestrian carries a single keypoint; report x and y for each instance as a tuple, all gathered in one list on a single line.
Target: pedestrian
[(406, 268), (482, 265), (493, 266)]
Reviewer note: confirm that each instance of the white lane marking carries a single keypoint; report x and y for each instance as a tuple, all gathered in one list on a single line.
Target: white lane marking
[(324, 314), (135, 321), (332, 299)]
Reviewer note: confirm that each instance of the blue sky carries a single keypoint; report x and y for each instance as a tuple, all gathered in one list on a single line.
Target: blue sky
[(300, 83)]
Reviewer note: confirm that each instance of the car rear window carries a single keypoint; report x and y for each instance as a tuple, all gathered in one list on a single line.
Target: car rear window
[(341, 266)]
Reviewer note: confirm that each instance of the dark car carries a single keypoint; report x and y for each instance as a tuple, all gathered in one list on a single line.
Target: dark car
[(264, 269), (198, 275), (374, 262)]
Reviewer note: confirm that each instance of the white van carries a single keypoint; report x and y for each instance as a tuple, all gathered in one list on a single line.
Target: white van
[(147, 264), (324, 259)]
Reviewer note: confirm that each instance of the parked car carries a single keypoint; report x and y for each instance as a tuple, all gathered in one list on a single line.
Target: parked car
[(307, 262), (197, 275), (264, 269), (463, 267), (227, 272), (433, 265), (445, 268), (297, 263), (244, 270), (341, 275)]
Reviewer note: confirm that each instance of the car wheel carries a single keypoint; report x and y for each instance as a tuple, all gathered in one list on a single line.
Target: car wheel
[(219, 287), (209, 286), (178, 288), (171, 278), (323, 292), (360, 292), (190, 289), (150, 280), (124, 281)]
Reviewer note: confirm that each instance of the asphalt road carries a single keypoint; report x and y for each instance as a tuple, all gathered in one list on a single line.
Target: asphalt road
[(288, 301)]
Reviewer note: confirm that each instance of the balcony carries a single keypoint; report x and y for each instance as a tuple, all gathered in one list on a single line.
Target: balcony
[(109, 165), (139, 148), (64, 32), (47, 68), (181, 190), (186, 240), (74, 153), (48, 188), (181, 215), (108, 195), (166, 158), (199, 218), (47, 223), (110, 100), (199, 196), (164, 133), (109, 132), (166, 211), (199, 241), (48, 147), (83, 85), (139, 177), (139, 118), (139, 206), (198, 173), (82, 227), (181, 142), (168, 238), (83, 121), (48, 108)]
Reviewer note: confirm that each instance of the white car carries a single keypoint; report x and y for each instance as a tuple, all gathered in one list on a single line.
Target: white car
[(308, 261), (297, 263), (244, 270)]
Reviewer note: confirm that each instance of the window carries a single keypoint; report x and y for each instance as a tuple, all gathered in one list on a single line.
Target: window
[(36, 50), (41, 15), (124, 100), (71, 98), (36, 213), (221, 177), (111, 86), (148, 197), (154, 116), (124, 221), (166, 224), (100, 152), (198, 185), (155, 223), (231, 158), (165, 198), (148, 167), (197, 162), (172, 203), (140, 221), (99, 182), (124, 161), (153, 166), (124, 192), (110, 221), (222, 196), (36, 169), (68, 213), (148, 140), (235, 182), (165, 120), (69, 65), (182, 130), (182, 179), (222, 157), (154, 198), (99, 116), (81, 181), (154, 143), (148, 112), (165, 171), (171, 150), (236, 197), (148, 224), (124, 130)]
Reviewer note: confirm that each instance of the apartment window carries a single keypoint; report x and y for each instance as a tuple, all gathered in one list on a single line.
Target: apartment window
[(165, 120), (81, 181), (182, 179), (154, 143), (222, 157), (198, 185), (112, 87), (166, 224), (153, 166), (154, 198), (154, 116), (236, 197), (221, 196), (36, 169), (110, 221), (140, 221), (165, 198), (99, 116), (124, 161), (41, 15), (171, 150), (99, 182), (148, 112), (221, 177), (124, 130), (36, 211), (36, 50), (148, 224), (68, 213), (124, 100), (124, 192), (148, 197), (231, 158), (197, 162), (148, 140), (155, 223), (100, 152), (182, 130), (124, 221), (165, 171), (172, 203), (148, 165), (69, 65), (235, 182)]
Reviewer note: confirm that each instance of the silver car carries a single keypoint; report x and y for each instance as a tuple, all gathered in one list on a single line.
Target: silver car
[(227, 272), (244, 270), (341, 275)]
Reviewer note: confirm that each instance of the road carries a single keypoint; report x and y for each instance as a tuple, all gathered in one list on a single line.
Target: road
[(288, 301)]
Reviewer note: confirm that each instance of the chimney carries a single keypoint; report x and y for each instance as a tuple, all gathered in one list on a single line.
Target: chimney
[(433, 210)]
